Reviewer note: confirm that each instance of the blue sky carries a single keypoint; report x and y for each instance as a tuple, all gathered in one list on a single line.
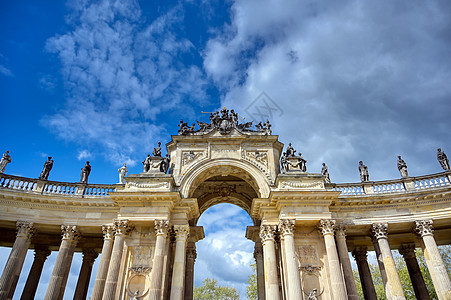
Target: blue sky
[(106, 80)]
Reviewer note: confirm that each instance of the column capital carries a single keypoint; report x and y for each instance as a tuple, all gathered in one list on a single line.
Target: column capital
[(380, 230), (108, 232), (181, 232), (41, 253), (424, 227), (267, 232), (287, 226), (89, 255), (161, 227), (191, 253), (407, 250), (25, 229), (258, 251), (70, 232), (327, 226), (360, 254), (340, 230), (122, 227)]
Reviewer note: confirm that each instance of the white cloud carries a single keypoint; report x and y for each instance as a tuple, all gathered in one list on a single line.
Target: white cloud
[(5, 71), (83, 154)]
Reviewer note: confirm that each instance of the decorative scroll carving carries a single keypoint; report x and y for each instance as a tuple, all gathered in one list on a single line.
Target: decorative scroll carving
[(191, 156), (181, 231), (122, 227), (380, 230), (307, 255), (161, 227), (70, 232), (259, 157), (267, 232), (287, 226), (327, 226), (424, 227), (149, 185), (108, 231), (25, 229)]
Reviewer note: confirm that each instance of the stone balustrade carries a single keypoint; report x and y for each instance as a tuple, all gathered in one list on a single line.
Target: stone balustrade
[(46, 187)]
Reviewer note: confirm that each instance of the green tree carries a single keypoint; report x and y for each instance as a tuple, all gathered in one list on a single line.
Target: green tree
[(211, 290), (251, 289)]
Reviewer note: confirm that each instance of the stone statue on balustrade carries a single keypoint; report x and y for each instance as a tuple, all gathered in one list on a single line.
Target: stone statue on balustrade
[(402, 167), (290, 151), (146, 164), (6, 159), (284, 163), (164, 167), (364, 174), (325, 173), (122, 172), (443, 160), (85, 173), (157, 151), (48, 165)]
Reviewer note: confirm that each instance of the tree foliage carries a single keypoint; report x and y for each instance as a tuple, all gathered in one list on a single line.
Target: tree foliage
[(251, 289), (211, 290)]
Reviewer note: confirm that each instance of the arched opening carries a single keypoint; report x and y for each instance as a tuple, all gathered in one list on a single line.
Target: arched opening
[(224, 254)]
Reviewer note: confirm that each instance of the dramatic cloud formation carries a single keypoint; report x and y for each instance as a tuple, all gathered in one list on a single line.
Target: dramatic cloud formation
[(356, 80)]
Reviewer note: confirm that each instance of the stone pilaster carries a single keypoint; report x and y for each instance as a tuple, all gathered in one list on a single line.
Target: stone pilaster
[(121, 228), (393, 281), (369, 292), (258, 256), (419, 287), (191, 256), (434, 261), (40, 256), (81, 290), (58, 280), (267, 233), (105, 256), (293, 281), (178, 274), (327, 228), (161, 231), (343, 253), (16, 258)]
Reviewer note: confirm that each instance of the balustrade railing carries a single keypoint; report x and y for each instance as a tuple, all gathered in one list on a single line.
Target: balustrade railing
[(54, 187)]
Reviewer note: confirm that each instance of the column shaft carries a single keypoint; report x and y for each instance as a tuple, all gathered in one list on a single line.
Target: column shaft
[(161, 228), (434, 261), (178, 274), (189, 274), (293, 281), (369, 292), (394, 282), (258, 255), (57, 283), (346, 263), (16, 258), (104, 262), (270, 262), (380, 263), (81, 289), (419, 287), (29, 291)]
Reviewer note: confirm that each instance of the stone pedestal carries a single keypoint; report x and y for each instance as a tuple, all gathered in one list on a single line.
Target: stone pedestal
[(369, 292), (327, 228), (40, 256), (340, 236), (293, 282), (105, 256), (434, 261), (393, 281), (270, 262), (178, 274), (58, 280), (408, 252), (16, 258), (161, 230)]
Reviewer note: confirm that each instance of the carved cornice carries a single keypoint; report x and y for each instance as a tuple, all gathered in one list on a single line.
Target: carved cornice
[(70, 232), (181, 232), (122, 227), (287, 226), (267, 232), (327, 226), (25, 229), (424, 227), (108, 231), (161, 227), (379, 230)]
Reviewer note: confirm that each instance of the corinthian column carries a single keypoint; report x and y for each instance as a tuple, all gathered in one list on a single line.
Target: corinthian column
[(293, 282), (327, 228), (105, 256), (58, 280), (16, 258), (340, 237), (369, 292), (161, 230), (191, 256), (267, 233), (122, 228), (81, 290), (434, 261), (419, 287), (258, 255), (178, 274), (394, 283), (29, 291)]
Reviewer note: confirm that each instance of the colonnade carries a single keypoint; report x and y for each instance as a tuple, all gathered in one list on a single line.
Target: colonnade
[(275, 248)]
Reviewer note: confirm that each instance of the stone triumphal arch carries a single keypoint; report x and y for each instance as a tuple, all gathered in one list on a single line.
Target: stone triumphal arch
[(145, 230)]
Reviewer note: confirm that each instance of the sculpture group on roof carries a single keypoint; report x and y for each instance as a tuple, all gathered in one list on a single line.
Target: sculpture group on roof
[(224, 121), (290, 162), (156, 163)]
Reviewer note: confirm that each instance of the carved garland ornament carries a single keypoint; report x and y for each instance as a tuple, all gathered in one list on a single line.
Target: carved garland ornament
[(149, 185), (319, 184), (424, 227)]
